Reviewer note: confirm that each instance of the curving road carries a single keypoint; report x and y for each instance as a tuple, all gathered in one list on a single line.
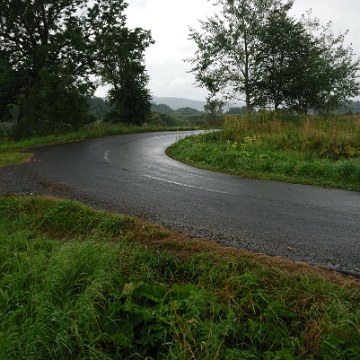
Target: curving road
[(303, 223)]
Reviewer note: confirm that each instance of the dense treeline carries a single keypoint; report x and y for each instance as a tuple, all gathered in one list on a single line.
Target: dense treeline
[(163, 114), (98, 107), (236, 110), (163, 108)]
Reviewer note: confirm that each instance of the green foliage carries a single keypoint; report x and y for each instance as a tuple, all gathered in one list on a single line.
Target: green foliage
[(187, 111), (162, 108), (284, 54), (236, 110), (224, 60), (310, 150), (129, 98), (10, 81), (324, 71), (43, 111), (161, 118), (335, 137), (256, 51), (90, 292), (48, 51), (343, 342), (98, 107), (164, 115)]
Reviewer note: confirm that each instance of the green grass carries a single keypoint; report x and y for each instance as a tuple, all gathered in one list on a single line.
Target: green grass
[(311, 150), (11, 151), (13, 157), (80, 284)]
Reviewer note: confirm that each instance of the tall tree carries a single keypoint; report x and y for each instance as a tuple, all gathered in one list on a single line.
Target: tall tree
[(252, 48), (285, 60), (300, 71), (224, 60), (119, 53), (65, 38), (129, 98), (337, 71)]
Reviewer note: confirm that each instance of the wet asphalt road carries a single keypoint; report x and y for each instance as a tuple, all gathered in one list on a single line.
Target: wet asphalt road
[(302, 223)]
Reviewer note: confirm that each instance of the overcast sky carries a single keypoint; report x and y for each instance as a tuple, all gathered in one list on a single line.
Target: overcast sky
[(169, 23)]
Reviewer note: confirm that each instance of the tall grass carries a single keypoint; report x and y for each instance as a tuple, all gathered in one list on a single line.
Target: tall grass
[(81, 284), (308, 150), (332, 137)]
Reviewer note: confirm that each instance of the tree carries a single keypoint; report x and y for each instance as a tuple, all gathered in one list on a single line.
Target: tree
[(129, 98), (53, 105), (337, 70), (120, 62), (161, 118), (213, 109), (284, 66), (70, 39), (254, 49), (10, 81), (224, 60), (98, 107), (299, 71)]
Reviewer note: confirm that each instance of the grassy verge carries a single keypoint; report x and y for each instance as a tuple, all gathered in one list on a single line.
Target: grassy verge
[(81, 284), (11, 151), (314, 151), (13, 157)]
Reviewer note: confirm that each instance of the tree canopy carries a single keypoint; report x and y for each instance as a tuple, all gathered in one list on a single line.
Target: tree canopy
[(252, 50), (223, 62), (56, 51), (187, 111), (163, 108)]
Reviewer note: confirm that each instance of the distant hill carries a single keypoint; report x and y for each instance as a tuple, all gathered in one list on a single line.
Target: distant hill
[(177, 103), (355, 107)]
